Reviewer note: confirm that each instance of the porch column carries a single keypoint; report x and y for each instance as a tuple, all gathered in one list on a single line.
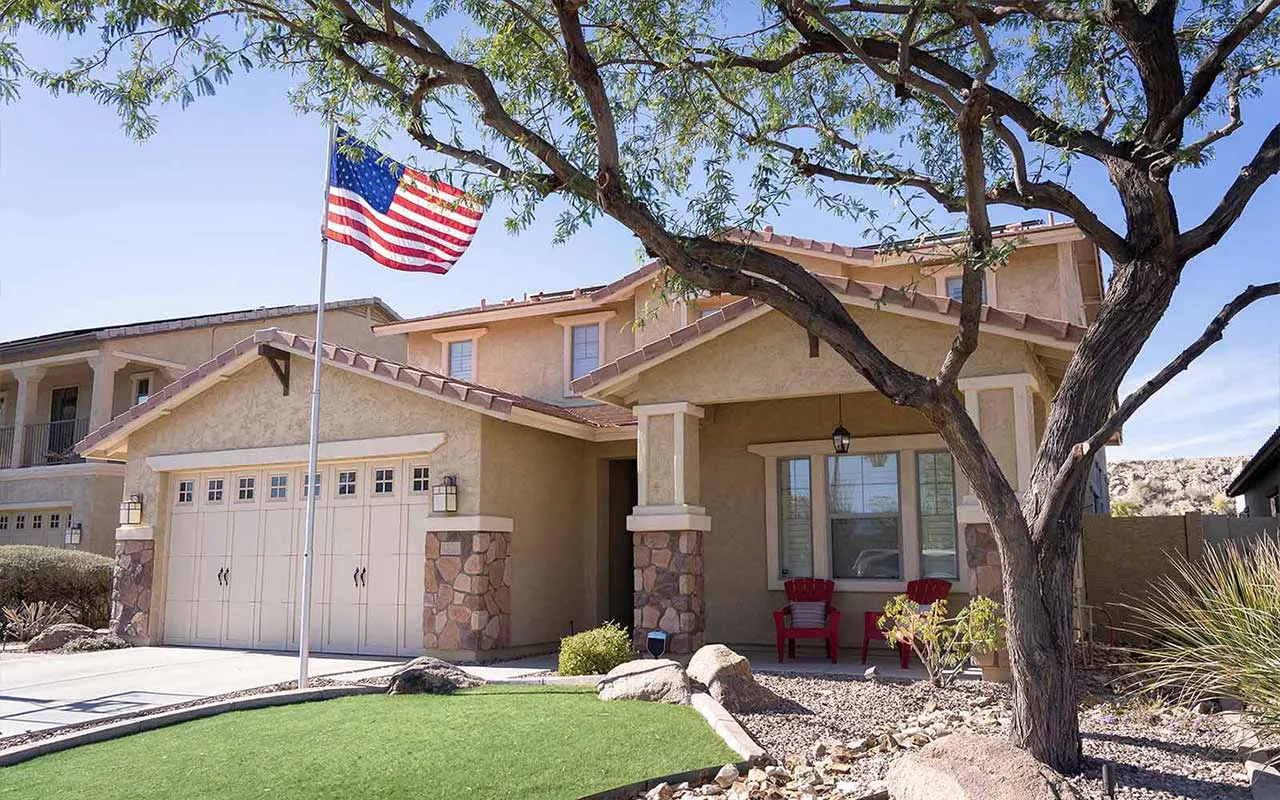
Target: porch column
[(24, 408), (668, 525), (103, 394), (131, 583)]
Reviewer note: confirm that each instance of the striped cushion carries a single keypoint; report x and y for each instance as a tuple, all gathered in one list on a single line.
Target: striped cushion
[(809, 614)]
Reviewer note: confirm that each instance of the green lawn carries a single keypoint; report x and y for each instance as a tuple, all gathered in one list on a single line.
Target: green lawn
[(486, 743)]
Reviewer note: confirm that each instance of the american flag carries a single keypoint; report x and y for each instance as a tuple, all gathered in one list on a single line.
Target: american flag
[(396, 215)]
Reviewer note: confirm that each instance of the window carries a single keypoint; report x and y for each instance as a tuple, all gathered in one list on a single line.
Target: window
[(186, 491), (37, 521), (936, 482), (1273, 503), (215, 490), (865, 521), (421, 483), (244, 491), (279, 487), (955, 286), (346, 484), (4, 522), (142, 387), (384, 481), (55, 521), (584, 349), (20, 522), (306, 484), (795, 519), (461, 358)]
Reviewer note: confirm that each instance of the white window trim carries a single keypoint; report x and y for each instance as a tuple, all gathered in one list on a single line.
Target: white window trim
[(177, 497), (577, 321), (906, 448), (338, 472), (409, 480), (449, 337), (137, 378), (253, 489), (268, 498), (396, 475), (988, 277)]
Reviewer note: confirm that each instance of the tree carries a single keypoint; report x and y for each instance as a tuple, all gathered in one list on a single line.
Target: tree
[(614, 105)]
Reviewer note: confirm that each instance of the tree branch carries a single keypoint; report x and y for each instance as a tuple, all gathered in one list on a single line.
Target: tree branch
[(1265, 163), (585, 73), (1082, 452)]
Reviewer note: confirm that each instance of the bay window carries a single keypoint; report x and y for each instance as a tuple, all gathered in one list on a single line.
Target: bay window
[(871, 520)]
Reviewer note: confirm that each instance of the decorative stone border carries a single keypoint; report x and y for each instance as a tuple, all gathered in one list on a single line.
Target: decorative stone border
[(695, 777), (727, 727), (115, 730)]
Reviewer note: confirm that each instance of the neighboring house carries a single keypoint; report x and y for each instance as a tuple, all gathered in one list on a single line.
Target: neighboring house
[(1258, 483), (56, 388), (537, 466)]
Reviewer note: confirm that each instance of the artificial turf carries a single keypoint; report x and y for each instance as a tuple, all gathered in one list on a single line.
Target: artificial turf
[(531, 743)]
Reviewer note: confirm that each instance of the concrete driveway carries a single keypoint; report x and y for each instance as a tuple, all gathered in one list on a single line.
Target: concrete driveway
[(48, 690)]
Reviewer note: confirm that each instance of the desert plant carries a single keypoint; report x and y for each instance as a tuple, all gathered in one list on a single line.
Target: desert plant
[(25, 621), (1123, 508), (944, 644), (1212, 629), (596, 651), (81, 581)]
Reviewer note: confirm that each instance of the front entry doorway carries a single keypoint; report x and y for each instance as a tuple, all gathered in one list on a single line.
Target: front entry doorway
[(623, 496)]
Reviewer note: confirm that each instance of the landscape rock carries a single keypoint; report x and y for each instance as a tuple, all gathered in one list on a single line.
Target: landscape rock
[(428, 675), (726, 776), (968, 767), (94, 643), (56, 636), (654, 680), (728, 679)]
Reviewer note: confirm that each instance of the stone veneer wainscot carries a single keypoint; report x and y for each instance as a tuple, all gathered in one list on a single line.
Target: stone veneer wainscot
[(668, 588), (467, 604)]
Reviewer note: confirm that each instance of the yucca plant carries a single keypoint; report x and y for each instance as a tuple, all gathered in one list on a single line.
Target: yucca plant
[(27, 620), (1213, 630)]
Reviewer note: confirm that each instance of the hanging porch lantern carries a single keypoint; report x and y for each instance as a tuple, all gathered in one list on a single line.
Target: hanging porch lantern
[(840, 437)]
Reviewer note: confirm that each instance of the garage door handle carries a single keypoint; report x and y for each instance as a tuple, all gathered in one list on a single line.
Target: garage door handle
[(222, 576), (355, 577), (363, 572)]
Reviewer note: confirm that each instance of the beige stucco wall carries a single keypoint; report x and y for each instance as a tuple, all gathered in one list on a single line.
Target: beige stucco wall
[(526, 355), (996, 418), (739, 603), (249, 410), (769, 357), (91, 491)]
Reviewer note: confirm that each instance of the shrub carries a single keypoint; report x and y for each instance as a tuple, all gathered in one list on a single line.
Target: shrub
[(92, 644), (81, 581), (27, 620), (596, 651), (944, 644), (1213, 630)]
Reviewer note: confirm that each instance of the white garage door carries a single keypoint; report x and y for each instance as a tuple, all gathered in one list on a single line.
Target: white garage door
[(235, 556)]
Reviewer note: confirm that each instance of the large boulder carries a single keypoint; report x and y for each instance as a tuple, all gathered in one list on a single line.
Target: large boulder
[(728, 679), (968, 767), (428, 675), (55, 636), (655, 680)]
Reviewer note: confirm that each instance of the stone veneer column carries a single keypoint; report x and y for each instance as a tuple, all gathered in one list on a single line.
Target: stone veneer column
[(467, 605), (669, 588), (131, 589), (983, 558)]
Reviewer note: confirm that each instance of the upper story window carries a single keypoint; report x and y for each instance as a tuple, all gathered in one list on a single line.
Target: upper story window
[(955, 287), (142, 387), (462, 359), (584, 349)]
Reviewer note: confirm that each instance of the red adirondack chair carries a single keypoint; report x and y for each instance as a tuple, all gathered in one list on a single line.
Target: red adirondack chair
[(812, 590), (923, 591)]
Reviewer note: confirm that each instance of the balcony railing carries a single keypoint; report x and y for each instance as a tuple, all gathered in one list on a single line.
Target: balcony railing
[(6, 448), (52, 442)]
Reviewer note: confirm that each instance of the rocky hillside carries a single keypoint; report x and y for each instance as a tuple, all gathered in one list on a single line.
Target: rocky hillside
[(1173, 486)]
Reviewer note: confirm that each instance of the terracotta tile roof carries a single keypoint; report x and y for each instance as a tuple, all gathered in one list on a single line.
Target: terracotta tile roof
[(767, 236), (885, 297), (528, 300), (604, 415), (421, 380)]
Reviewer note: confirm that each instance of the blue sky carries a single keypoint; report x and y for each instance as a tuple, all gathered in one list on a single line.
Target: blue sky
[(220, 210)]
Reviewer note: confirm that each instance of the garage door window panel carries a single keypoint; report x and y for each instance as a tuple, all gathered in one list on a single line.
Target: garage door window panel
[(215, 490), (384, 481), (421, 483), (186, 492), (279, 487), (347, 480), (246, 488)]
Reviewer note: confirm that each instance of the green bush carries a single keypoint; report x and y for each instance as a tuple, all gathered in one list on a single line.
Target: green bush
[(1213, 630), (944, 644), (81, 581), (596, 651)]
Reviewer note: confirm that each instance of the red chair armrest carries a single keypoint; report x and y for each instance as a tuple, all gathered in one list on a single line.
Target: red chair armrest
[(833, 615)]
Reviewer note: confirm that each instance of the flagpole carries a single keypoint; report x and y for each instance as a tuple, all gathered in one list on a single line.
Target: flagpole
[(311, 482)]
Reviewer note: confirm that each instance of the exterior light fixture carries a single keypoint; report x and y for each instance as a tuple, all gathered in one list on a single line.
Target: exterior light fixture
[(840, 437), (656, 643), (131, 510), (444, 495), (73, 534)]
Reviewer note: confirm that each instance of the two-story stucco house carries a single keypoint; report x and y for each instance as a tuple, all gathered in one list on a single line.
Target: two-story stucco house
[(56, 388), (671, 474)]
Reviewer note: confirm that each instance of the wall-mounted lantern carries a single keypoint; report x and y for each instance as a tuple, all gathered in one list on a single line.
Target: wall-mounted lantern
[(73, 534), (444, 495), (131, 510)]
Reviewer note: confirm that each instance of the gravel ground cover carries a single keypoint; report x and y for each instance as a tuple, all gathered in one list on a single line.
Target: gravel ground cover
[(1160, 753)]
